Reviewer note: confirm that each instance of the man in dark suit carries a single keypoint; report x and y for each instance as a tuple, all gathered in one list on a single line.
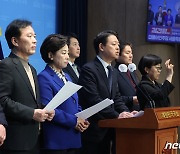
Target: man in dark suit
[(150, 15), (19, 93), (74, 52), (98, 84)]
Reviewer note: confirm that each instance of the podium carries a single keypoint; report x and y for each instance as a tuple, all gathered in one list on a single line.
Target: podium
[(147, 134)]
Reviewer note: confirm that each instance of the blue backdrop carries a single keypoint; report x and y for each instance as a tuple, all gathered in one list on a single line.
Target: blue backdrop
[(42, 13)]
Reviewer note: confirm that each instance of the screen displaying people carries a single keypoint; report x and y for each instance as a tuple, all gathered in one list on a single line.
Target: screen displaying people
[(163, 21)]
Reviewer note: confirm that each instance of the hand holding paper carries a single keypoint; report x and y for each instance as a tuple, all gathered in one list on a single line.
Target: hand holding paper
[(64, 93), (82, 124), (94, 109)]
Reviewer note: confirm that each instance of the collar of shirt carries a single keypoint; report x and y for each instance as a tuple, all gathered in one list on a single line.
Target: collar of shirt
[(24, 63), (70, 63), (104, 64)]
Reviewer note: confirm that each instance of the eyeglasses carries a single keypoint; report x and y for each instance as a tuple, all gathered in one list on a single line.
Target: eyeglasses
[(159, 68)]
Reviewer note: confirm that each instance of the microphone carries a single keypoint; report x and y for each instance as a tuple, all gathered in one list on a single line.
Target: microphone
[(147, 96)]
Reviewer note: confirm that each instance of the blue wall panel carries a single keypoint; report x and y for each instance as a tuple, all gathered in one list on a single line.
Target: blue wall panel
[(42, 13)]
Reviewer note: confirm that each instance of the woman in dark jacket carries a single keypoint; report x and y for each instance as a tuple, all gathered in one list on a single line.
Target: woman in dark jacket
[(127, 79), (150, 93)]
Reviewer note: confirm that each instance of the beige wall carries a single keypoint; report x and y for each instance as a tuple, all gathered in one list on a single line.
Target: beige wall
[(128, 18)]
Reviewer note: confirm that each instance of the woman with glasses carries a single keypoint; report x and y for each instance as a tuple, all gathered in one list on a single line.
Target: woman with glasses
[(150, 93)]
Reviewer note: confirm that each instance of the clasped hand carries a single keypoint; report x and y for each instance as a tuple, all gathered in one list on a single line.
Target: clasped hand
[(82, 124)]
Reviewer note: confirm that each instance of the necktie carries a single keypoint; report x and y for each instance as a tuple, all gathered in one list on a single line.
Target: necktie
[(75, 69), (110, 77), (131, 80)]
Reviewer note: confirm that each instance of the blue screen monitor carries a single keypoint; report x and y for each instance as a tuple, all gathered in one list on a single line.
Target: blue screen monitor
[(163, 21)]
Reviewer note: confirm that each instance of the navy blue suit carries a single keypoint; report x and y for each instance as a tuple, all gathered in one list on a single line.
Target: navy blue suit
[(94, 80), (60, 133), (126, 88)]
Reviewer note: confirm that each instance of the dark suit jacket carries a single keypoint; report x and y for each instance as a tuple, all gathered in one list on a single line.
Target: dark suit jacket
[(2, 117), (158, 92), (94, 80), (69, 70), (18, 101), (126, 88)]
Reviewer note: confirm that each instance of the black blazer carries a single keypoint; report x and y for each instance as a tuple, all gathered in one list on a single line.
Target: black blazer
[(158, 92), (18, 101), (94, 80), (126, 88), (69, 70), (2, 117)]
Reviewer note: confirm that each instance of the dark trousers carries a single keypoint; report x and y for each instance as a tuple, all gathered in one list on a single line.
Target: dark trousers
[(34, 150), (105, 146), (69, 151)]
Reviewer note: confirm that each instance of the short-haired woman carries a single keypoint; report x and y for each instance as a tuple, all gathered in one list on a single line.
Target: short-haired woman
[(150, 93)]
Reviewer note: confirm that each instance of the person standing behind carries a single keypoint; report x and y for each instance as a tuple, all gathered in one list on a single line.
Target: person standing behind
[(150, 15), (99, 81), (62, 135), (150, 93), (168, 19), (127, 81), (74, 52), (159, 18), (177, 19), (19, 93)]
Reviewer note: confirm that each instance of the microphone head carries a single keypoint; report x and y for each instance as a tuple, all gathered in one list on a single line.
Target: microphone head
[(122, 68), (132, 67)]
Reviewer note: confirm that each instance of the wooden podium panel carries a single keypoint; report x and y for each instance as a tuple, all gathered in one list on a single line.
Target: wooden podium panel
[(163, 136), (147, 134)]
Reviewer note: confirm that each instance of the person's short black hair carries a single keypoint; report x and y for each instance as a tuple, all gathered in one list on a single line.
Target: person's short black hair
[(69, 36), (52, 43), (159, 6), (148, 61), (169, 10), (102, 38), (13, 30), (123, 45)]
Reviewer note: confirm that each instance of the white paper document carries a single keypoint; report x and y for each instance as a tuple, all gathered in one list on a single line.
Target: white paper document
[(94, 109), (64, 93)]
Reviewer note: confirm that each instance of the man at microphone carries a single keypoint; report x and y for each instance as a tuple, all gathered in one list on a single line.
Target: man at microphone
[(150, 93), (99, 81)]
